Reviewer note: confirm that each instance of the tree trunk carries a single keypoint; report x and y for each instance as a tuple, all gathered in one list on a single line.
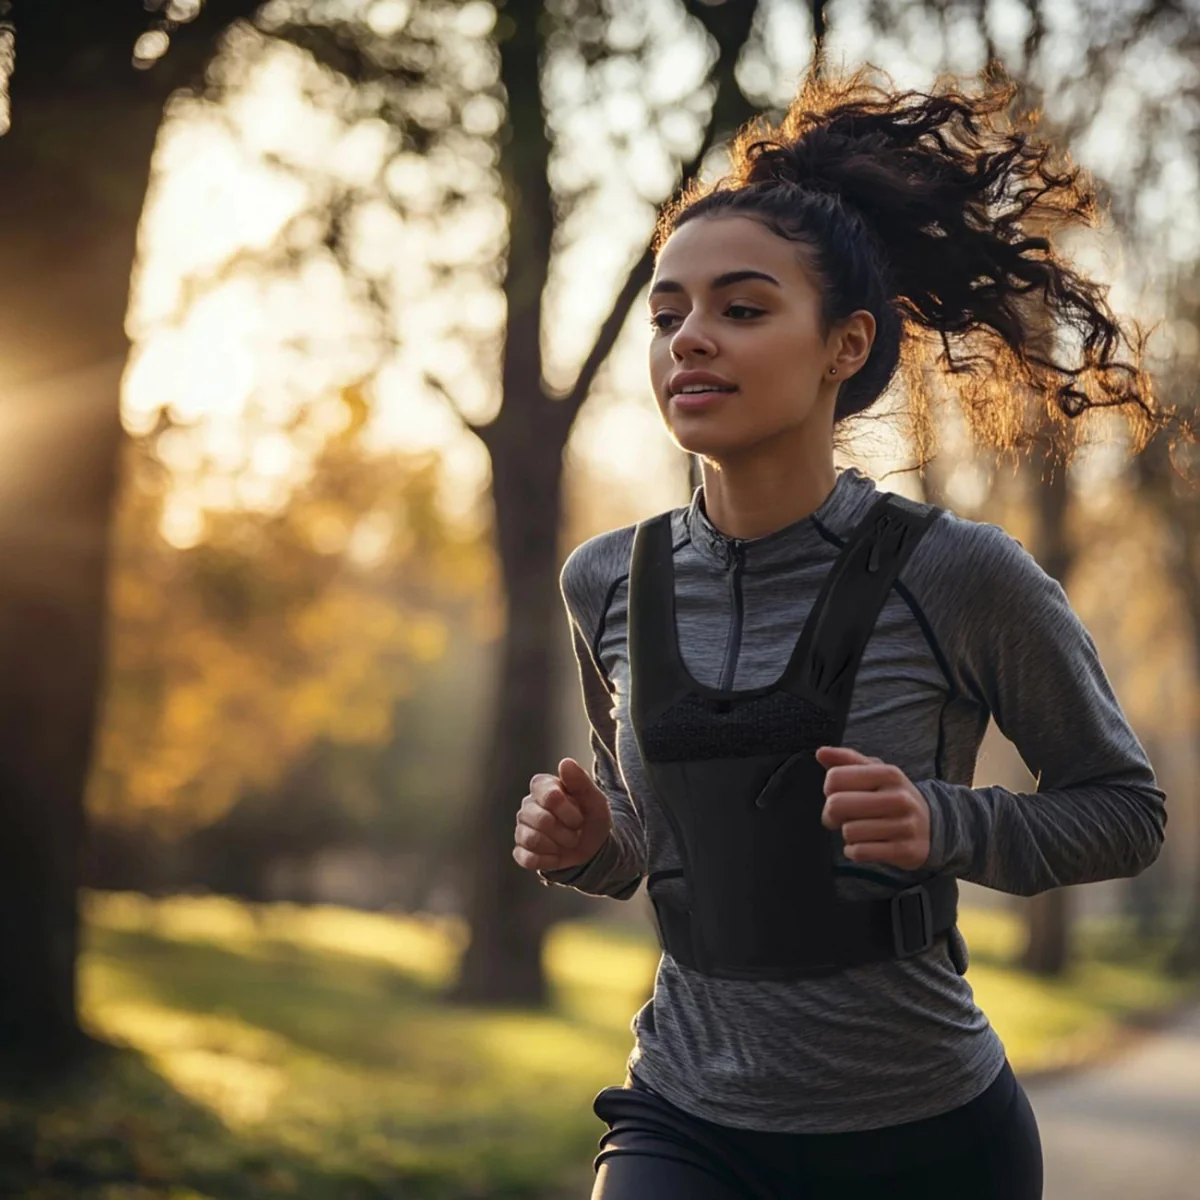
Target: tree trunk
[(1183, 520), (1147, 894), (507, 913), (505, 909), (1147, 898), (1179, 518), (73, 171), (1185, 955), (1047, 948)]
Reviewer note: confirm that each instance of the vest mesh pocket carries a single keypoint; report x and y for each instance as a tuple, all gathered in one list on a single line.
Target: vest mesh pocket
[(700, 728)]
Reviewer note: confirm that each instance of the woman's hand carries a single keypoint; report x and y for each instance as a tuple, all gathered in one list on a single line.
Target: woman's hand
[(882, 816), (563, 821)]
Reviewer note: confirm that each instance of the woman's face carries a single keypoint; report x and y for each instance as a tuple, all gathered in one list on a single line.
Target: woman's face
[(758, 335)]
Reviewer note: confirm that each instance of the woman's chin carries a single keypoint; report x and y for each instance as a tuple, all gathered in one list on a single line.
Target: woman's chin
[(704, 443)]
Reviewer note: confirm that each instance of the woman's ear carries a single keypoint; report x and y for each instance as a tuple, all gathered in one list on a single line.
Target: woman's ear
[(851, 342)]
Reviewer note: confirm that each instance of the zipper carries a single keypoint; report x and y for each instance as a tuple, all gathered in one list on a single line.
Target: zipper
[(735, 634)]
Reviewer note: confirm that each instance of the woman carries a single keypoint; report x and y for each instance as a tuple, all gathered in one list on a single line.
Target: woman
[(788, 680)]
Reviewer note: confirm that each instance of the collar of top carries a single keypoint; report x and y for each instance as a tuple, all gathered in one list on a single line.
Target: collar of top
[(852, 494)]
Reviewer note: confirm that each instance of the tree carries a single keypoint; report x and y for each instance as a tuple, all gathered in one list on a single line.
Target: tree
[(1047, 946), (74, 165), (1170, 488)]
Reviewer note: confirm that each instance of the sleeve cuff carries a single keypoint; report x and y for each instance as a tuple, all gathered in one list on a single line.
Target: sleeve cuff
[(569, 875), (937, 859)]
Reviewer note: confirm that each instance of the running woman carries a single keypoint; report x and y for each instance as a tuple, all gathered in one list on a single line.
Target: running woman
[(788, 679)]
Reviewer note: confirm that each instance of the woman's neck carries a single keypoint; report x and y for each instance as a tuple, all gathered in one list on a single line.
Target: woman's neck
[(762, 491)]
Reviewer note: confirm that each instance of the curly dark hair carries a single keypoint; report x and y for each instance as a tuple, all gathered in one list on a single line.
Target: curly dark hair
[(935, 212)]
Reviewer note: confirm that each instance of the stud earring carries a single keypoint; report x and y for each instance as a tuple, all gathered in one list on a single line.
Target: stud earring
[(833, 370)]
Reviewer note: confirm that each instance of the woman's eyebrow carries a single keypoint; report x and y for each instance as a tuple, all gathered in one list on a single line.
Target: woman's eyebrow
[(718, 281)]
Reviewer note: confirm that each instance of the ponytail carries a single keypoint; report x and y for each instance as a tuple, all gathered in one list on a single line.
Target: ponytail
[(937, 214)]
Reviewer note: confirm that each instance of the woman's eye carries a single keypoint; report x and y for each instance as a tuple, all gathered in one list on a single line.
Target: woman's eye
[(656, 319)]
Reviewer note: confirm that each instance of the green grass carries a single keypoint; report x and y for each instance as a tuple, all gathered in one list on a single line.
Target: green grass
[(279, 1051)]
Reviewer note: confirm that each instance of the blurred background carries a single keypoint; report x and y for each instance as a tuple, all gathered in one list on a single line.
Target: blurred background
[(322, 343)]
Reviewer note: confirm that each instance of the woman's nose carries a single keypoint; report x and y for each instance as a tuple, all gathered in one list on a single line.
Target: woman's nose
[(691, 338)]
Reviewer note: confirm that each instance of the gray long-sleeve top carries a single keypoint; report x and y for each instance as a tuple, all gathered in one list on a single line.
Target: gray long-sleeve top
[(972, 628)]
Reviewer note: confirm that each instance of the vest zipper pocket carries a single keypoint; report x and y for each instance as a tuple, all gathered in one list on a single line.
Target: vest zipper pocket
[(773, 787)]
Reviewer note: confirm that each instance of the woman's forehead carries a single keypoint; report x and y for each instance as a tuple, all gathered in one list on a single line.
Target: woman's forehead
[(708, 247)]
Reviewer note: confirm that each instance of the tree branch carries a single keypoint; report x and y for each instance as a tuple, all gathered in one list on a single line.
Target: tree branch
[(733, 23), (820, 25), (985, 29), (1037, 33), (480, 431)]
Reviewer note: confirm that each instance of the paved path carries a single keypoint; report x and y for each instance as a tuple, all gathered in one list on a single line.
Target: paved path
[(1129, 1130)]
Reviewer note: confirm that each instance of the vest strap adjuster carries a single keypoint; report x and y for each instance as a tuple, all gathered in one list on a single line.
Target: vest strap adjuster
[(912, 921)]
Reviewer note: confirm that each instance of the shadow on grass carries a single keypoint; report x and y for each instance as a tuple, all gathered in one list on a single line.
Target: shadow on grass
[(329, 1003), (321, 1001), (117, 1129), (377, 1073)]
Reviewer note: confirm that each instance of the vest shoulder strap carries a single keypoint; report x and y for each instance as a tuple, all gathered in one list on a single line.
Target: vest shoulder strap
[(854, 593), (651, 629)]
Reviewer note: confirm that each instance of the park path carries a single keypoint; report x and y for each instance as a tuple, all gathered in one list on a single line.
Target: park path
[(1128, 1129)]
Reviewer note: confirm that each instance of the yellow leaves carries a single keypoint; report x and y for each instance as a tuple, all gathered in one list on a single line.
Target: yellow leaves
[(1141, 626), (343, 616), (134, 598), (189, 710), (361, 643), (427, 638), (229, 661), (358, 408), (327, 530)]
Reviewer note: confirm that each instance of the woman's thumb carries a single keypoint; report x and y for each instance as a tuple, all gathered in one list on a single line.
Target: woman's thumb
[(840, 756), (578, 783)]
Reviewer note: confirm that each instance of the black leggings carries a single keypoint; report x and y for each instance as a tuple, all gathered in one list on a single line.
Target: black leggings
[(988, 1149)]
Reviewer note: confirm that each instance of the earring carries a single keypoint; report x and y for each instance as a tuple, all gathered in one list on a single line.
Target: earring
[(833, 370)]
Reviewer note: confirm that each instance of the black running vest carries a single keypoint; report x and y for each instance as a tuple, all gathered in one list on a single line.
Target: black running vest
[(736, 775)]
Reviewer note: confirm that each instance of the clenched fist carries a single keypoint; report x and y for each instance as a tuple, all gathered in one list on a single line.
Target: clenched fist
[(563, 821), (882, 816)]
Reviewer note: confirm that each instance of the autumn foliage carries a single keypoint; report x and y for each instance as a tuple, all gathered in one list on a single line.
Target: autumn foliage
[(232, 658)]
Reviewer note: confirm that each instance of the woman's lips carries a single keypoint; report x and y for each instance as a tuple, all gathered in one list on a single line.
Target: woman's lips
[(695, 400)]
